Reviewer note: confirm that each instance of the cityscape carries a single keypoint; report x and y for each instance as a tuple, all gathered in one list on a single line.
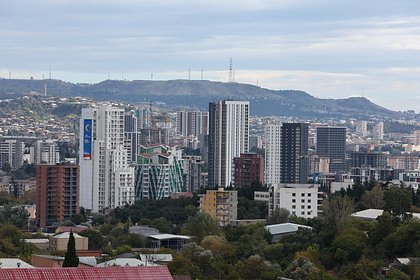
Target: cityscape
[(185, 140)]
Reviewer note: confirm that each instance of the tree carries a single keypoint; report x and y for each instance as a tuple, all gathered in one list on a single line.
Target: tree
[(280, 215), (397, 200), (6, 167), (201, 225), (336, 211), (96, 239), (71, 259), (373, 198)]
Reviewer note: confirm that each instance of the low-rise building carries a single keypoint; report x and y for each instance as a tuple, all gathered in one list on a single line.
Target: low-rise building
[(302, 200), (59, 242)]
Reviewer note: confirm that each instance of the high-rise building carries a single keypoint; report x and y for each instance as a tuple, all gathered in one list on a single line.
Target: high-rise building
[(131, 136), (191, 123), (57, 193), (192, 168), (221, 205), (47, 151), (361, 128), (378, 131), (294, 153), (144, 118), (417, 137), (273, 154), (106, 179), (228, 138), (287, 153), (11, 151), (158, 172), (331, 143), (248, 169)]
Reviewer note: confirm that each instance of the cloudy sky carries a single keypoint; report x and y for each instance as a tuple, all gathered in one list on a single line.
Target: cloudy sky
[(331, 49)]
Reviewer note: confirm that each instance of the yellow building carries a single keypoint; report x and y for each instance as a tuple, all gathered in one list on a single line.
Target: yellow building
[(221, 205)]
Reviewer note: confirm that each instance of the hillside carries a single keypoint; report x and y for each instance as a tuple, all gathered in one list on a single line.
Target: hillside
[(197, 94)]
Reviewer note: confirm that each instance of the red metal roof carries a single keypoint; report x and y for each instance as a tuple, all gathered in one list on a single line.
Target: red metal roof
[(95, 273)]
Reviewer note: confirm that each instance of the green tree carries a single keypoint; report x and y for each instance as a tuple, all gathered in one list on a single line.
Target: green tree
[(397, 200), (96, 239), (71, 259), (6, 167), (336, 211), (200, 226), (373, 198), (280, 215)]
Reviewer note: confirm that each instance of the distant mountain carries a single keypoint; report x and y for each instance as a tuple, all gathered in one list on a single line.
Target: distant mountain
[(197, 94)]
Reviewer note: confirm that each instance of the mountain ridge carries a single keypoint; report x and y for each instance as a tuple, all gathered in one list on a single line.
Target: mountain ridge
[(198, 93)]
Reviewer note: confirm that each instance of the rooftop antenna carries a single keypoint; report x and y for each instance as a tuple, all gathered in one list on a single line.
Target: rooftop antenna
[(230, 71)]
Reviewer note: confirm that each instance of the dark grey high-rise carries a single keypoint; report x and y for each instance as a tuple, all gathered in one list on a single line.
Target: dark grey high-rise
[(331, 143), (294, 153)]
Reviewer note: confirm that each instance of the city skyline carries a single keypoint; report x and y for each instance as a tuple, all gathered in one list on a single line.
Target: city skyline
[(328, 49)]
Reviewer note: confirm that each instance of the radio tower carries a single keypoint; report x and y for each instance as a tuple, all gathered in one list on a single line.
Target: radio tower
[(231, 77)]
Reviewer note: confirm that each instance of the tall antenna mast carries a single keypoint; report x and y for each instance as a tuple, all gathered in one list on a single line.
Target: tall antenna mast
[(10, 74), (201, 74), (189, 74), (230, 71), (50, 72)]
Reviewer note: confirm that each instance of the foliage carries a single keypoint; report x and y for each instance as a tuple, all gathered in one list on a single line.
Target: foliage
[(398, 200), (373, 199), (336, 211), (71, 259), (280, 215), (201, 225), (96, 239), (15, 215)]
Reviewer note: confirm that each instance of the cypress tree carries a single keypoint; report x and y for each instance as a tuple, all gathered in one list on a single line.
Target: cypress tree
[(71, 259)]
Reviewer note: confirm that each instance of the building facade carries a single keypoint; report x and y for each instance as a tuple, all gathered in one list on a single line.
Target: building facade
[(57, 193), (248, 170), (191, 123), (228, 138), (158, 172), (331, 143), (221, 205), (287, 159), (106, 178), (193, 168), (302, 200)]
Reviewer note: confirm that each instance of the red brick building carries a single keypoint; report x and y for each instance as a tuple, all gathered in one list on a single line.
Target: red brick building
[(248, 168), (57, 193)]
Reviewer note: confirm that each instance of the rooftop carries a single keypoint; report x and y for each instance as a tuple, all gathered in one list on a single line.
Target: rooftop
[(94, 273), (285, 228)]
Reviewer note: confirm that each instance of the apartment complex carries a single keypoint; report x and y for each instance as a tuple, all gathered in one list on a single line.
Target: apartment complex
[(57, 193), (331, 143), (191, 123), (221, 205), (228, 138), (106, 179), (248, 169)]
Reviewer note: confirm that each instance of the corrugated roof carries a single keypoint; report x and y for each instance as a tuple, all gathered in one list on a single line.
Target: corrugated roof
[(89, 260), (285, 228), (168, 236), (125, 262), (13, 263), (369, 214), (96, 273), (156, 257)]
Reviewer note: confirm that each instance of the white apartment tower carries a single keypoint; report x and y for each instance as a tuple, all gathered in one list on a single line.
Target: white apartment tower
[(106, 179), (273, 154), (228, 138), (361, 128), (378, 131)]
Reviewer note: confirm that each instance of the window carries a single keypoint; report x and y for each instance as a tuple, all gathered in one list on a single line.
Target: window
[(302, 194), (303, 201), (293, 194), (309, 201), (309, 194), (303, 213), (302, 207), (293, 206), (293, 200)]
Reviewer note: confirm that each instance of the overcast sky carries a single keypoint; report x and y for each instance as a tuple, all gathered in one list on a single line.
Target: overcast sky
[(330, 49)]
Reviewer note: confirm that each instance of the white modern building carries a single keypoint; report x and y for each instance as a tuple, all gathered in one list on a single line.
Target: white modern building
[(273, 154), (191, 123), (106, 179), (47, 151), (361, 128), (228, 138), (378, 131), (301, 200)]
